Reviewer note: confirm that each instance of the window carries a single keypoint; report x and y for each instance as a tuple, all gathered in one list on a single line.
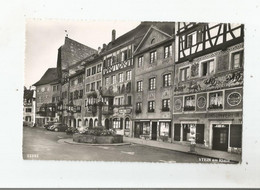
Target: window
[(166, 105), (28, 110), (140, 61), (237, 60), (121, 77), (216, 100), (153, 56), (99, 68), (207, 67), (76, 95), (81, 94), (129, 100), (152, 82), (124, 55), (106, 81), (71, 95), (191, 39), (128, 75), (165, 129), (113, 79), (168, 51), (167, 80), (184, 74), (138, 107), (139, 86), (189, 103), (54, 88), (151, 106), (199, 35), (92, 86), (98, 84), (88, 72), (87, 87), (80, 79), (187, 131), (116, 123), (93, 70)]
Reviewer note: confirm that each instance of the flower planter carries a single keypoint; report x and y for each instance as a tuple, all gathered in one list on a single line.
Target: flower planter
[(93, 139)]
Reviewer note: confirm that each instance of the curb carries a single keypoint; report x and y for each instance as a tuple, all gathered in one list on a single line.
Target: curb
[(70, 141)]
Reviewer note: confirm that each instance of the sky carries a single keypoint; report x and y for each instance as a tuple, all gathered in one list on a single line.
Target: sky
[(44, 37)]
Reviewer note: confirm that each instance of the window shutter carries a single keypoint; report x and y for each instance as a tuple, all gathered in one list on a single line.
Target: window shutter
[(177, 131), (236, 135), (200, 133)]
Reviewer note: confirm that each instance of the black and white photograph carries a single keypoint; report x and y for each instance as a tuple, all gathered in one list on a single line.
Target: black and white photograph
[(169, 92)]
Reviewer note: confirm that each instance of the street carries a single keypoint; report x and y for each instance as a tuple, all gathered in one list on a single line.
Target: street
[(40, 144)]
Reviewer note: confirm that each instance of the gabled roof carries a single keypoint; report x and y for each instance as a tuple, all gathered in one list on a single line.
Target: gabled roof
[(28, 94), (149, 32), (50, 76), (138, 32)]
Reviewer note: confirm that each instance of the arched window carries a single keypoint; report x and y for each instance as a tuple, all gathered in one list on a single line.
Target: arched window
[(127, 123), (79, 123), (91, 123), (86, 122), (116, 123), (96, 123)]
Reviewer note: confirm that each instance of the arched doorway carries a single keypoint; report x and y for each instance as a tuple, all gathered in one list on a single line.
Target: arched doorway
[(96, 123), (86, 123), (127, 123), (79, 123), (107, 123), (91, 123)]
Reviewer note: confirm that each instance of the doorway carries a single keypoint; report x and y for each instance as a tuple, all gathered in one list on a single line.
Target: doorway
[(154, 130), (220, 137), (107, 123)]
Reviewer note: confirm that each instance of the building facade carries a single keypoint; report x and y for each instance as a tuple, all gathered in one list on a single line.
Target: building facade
[(46, 96), (208, 85), (29, 107), (153, 84)]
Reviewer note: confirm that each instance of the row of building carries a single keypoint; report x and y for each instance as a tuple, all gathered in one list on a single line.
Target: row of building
[(161, 81)]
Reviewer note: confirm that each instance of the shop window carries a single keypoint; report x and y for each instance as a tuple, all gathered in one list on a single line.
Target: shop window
[(165, 129), (151, 106), (166, 105), (237, 60), (184, 74), (152, 83), (216, 100), (140, 61), (200, 133), (153, 56), (139, 86), (146, 128), (188, 130), (189, 103), (236, 135), (207, 67), (168, 51), (167, 80)]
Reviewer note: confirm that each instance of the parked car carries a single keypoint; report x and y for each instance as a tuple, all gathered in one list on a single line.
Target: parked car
[(58, 127), (50, 123)]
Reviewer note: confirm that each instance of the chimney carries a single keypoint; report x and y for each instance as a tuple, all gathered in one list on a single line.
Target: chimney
[(104, 46), (99, 50), (113, 35)]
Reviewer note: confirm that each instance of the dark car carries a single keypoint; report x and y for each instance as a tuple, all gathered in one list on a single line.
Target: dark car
[(58, 127)]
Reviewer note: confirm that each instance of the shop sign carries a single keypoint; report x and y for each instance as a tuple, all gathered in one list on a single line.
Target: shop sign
[(223, 115), (234, 99), (124, 111)]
